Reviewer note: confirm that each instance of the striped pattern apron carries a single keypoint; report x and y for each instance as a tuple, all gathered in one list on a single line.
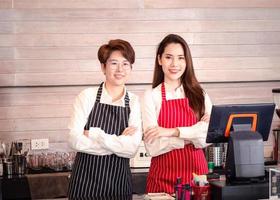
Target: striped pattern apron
[(182, 163), (98, 177)]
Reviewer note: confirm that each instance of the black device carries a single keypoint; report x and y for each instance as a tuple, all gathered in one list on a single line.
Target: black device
[(244, 127)]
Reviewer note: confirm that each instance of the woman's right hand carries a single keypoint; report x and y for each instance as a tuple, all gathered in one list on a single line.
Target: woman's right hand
[(129, 130), (86, 133)]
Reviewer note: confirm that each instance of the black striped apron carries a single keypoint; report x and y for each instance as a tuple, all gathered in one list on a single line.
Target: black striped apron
[(97, 177)]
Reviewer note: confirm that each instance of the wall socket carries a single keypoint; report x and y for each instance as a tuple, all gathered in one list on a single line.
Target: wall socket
[(39, 144)]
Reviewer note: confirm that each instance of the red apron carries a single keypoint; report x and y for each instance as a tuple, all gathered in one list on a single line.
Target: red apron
[(182, 163)]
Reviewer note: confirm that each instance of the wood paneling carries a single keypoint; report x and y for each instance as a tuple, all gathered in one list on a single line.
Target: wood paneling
[(137, 77), (74, 72), (53, 136), (211, 3), (36, 124), (88, 40), (37, 99), (40, 111), (143, 76), (234, 50), (7, 66), (6, 4), (229, 93), (142, 51), (77, 4), (51, 46), (7, 79), (93, 65), (6, 52), (237, 75), (6, 27), (7, 40), (237, 63), (236, 38), (52, 66), (139, 14), (83, 26), (45, 112), (219, 93)]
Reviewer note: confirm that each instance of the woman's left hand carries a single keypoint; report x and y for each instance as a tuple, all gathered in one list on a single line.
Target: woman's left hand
[(155, 132), (205, 118)]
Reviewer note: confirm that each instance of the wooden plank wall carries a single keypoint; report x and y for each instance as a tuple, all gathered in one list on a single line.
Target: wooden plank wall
[(48, 53)]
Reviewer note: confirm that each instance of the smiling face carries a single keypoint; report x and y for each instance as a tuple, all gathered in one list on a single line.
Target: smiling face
[(173, 63), (117, 69)]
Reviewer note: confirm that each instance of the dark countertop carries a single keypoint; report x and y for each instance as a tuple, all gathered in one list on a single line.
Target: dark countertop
[(225, 191), (55, 185)]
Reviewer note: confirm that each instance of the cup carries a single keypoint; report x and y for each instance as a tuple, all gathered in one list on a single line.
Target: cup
[(57, 162), (8, 167), (216, 154), (19, 164), (35, 161), (201, 192)]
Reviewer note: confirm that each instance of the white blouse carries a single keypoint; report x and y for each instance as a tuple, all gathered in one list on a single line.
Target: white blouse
[(98, 142), (151, 105)]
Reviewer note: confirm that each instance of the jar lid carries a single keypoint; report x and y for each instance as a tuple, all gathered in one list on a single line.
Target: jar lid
[(211, 165), (276, 90)]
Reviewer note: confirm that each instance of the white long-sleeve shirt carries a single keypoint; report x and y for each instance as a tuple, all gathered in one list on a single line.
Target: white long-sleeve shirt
[(98, 142), (151, 106)]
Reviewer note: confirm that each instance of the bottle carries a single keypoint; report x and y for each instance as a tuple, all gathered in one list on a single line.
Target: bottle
[(178, 189), (186, 192)]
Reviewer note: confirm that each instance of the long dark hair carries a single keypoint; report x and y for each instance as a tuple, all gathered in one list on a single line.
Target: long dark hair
[(192, 88)]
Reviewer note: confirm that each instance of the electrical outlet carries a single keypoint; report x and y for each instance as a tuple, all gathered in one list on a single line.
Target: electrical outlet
[(38, 144)]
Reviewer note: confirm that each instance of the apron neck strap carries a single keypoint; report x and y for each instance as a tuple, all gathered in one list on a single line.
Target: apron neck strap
[(126, 99), (99, 92), (163, 94)]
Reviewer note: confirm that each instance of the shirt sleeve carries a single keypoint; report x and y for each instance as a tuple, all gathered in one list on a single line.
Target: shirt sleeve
[(197, 133), (123, 146), (77, 140), (160, 145)]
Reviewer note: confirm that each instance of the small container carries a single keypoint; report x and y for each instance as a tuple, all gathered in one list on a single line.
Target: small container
[(8, 168), (274, 183), (201, 192), (211, 166), (178, 189), (19, 164), (186, 192), (216, 154), (34, 161)]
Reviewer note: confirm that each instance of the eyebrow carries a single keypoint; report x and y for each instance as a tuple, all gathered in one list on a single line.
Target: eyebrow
[(117, 60), (173, 55)]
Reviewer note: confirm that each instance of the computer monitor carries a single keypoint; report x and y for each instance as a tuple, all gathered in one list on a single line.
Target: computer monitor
[(238, 117)]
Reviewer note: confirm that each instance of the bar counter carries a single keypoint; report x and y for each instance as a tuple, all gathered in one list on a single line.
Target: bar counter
[(54, 185)]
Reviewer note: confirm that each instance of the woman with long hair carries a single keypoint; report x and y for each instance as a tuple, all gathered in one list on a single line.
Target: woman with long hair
[(175, 115)]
